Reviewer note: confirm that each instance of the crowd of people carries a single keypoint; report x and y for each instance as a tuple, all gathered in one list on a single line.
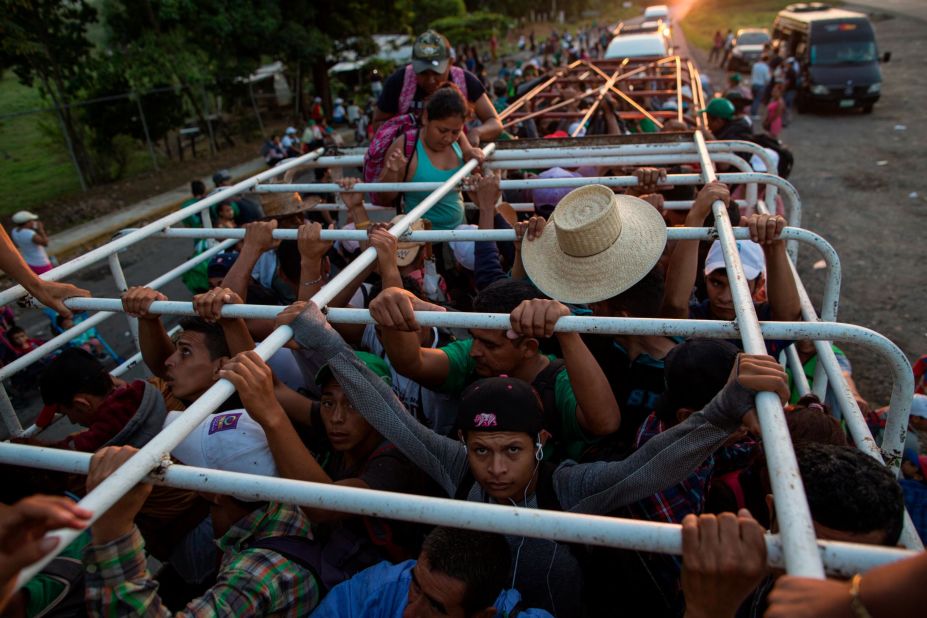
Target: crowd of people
[(649, 427)]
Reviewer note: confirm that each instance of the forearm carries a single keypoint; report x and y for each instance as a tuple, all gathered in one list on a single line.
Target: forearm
[(155, 344), (404, 352), (12, 263), (239, 275), (490, 129), (237, 336), (487, 266), (388, 175), (310, 278), (663, 461), (680, 279), (896, 589), (596, 408), (293, 459), (784, 303), (297, 407)]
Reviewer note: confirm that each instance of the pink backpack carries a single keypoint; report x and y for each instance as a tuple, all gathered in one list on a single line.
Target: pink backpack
[(404, 123)]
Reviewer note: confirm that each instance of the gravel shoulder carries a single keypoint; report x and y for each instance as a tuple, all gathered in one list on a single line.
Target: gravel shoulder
[(862, 183)]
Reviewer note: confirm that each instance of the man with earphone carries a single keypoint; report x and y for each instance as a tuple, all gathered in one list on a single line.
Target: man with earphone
[(498, 456)]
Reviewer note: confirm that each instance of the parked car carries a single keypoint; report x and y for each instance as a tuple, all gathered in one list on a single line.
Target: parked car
[(747, 48), (836, 53), (649, 45)]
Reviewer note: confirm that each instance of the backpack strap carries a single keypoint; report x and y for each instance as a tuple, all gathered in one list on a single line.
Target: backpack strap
[(545, 383), (409, 86)]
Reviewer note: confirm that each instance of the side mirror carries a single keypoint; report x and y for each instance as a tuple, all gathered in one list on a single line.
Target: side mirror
[(886, 56)]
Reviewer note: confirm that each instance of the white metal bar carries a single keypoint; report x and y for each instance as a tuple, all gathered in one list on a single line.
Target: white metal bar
[(63, 338), (516, 206), (119, 278), (798, 371), (792, 510), (94, 256), (789, 194), (151, 456), (841, 558), (8, 414)]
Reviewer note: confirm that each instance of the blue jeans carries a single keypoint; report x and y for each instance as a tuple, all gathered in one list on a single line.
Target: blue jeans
[(758, 92)]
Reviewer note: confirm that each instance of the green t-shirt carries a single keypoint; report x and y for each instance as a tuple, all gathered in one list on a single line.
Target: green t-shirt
[(43, 589), (460, 374)]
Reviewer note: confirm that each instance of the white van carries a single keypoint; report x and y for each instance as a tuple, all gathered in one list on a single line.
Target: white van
[(657, 11), (647, 45)]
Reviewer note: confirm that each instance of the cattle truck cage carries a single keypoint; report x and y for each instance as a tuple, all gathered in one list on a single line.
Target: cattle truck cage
[(653, 90), (795, 548)]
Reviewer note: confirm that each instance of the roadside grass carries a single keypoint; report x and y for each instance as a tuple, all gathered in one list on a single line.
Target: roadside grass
[(33, 167), (707, 16)]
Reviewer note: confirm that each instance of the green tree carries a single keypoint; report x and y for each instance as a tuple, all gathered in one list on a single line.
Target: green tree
[(428, 11), (473, 28), (45, 42)]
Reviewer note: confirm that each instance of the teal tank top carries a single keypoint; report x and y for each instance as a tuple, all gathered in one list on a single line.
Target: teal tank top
[(448, 213)]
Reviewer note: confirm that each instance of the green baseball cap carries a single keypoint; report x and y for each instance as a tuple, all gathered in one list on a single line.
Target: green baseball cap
[(719, 107), (431, 52), (374, 363)]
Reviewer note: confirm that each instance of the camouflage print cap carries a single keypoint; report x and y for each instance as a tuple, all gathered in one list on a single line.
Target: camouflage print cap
[(431, 52)]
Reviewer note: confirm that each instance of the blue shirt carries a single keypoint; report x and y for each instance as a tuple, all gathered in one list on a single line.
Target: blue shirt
[(382, 591)]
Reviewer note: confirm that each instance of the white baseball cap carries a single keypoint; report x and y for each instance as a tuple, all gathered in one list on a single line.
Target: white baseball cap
[(919, 405), (24, 216), (465, 250), (757, 163), (751, 256), (230, 441)]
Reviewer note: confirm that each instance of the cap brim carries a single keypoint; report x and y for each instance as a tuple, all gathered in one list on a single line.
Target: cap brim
[(602, 276), (435, 66)]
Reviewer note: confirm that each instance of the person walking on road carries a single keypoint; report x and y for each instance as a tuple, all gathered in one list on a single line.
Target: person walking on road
[(716, 47), (760, 77), (30, 238)]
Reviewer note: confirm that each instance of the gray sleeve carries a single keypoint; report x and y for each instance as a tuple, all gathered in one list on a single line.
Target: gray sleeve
[(443, 459), (663, 461)]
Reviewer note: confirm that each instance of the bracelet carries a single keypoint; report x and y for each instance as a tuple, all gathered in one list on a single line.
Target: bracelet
[(856, 604), (363, 225), (315, 281)]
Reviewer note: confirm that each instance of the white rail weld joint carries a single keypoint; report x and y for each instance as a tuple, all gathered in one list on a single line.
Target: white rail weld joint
[(798, 549)]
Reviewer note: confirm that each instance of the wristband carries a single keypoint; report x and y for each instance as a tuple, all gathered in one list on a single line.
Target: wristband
[(314, 281), (363, 225), (856, 604)]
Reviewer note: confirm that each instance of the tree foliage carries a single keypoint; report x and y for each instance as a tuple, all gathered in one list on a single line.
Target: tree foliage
[(472, 28), (427, 12)]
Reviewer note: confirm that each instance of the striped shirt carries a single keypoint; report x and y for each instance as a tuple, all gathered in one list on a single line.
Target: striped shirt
[(251, 582)]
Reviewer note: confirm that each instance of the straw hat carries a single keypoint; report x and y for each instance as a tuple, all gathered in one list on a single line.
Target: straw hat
[(595, 246), (285, 204), (406, 251)]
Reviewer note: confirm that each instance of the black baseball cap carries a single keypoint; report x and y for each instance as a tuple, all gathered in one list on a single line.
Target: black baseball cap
[(500, 404), (695, 371), (431, 52)]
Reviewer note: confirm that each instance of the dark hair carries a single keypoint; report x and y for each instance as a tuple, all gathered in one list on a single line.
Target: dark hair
[(810, 421), (447, 101), (213, 337), (408, 283), (288, 260), (694, 372), (504, 295), (499, 88), (481, 560), (71, 372), (850, 491), (197, 187), (14, 330), (644, 298)]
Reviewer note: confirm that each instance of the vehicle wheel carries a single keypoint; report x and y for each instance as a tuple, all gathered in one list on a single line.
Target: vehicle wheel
[(801, 106), (867, 108)]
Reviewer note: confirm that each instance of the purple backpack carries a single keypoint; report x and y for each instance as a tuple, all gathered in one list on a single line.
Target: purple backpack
[(405, 124)]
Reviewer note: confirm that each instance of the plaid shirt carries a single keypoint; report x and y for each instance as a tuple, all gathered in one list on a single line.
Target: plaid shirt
[(251, 582), (673, 503)]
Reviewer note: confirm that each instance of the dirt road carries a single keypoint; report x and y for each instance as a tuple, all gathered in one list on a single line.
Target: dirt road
[(863, 183)]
